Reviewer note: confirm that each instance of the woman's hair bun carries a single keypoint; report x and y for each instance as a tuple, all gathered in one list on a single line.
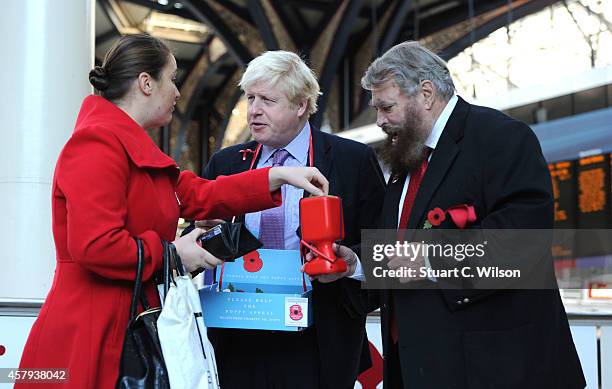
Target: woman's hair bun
[(98, 78)]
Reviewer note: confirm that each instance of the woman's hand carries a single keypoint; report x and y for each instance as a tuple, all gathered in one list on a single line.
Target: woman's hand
[(192, 255), (308, 178)]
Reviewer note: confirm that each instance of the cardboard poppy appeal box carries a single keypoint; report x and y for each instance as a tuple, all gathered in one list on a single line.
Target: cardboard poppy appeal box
[(264, 290)]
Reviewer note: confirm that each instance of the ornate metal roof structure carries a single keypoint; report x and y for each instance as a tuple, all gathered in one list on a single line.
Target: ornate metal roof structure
[(215, 39)]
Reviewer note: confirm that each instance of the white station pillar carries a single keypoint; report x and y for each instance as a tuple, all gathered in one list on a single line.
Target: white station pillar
[(47, 51)]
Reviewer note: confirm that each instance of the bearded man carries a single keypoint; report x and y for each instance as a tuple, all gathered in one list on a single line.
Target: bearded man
[(444, 152)]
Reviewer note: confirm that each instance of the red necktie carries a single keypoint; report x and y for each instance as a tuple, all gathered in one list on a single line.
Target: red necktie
[(416, 176)]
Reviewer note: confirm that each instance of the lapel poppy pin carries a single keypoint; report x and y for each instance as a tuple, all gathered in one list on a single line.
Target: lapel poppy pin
[(435, 217)]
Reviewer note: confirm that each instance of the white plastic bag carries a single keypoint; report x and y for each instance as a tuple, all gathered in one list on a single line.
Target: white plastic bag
[(189, 355)]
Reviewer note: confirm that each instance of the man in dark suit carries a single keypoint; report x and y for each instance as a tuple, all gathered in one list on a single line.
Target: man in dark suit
[(281, 94), (444, 152)]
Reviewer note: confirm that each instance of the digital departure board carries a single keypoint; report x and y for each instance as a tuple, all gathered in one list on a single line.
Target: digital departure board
[(582, 190), (593, 183), (563, 176), (582, 193)]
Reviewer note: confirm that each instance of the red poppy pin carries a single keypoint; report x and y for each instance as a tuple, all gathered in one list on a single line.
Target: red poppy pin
[(436, 216)]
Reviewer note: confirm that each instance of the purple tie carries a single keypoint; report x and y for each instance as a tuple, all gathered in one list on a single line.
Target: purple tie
[(272, 223)]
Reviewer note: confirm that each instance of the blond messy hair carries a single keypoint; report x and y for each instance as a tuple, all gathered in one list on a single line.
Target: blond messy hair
[(288, 72)]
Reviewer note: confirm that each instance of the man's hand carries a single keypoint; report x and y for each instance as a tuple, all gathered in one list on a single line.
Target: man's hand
[(342, 252), (412, 265)]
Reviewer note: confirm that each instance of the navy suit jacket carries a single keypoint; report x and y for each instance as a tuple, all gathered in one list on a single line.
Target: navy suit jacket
[(354, 175)]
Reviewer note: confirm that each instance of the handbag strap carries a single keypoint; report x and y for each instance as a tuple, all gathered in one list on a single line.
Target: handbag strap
[(167, 268), (177, 260), (137, 293), (170, 255)]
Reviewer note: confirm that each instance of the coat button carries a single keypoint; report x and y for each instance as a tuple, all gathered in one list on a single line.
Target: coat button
[(466, 300), (459, 302)]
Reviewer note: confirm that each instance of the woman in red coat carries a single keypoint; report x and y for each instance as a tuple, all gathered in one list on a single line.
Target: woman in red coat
[(113, 183)]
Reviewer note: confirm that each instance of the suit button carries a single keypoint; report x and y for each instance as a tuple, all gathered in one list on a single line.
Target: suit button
[(466, 300), (459, 302)]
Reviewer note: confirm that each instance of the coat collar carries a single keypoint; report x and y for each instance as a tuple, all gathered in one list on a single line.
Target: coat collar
[(390, 205), (322, 154), (240, 164), (100, 113), (323, 157), (441, 160)]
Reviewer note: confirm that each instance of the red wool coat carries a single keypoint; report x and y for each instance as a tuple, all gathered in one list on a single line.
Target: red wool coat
[(112, 183)]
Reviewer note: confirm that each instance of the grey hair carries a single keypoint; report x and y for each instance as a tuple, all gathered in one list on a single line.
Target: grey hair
[(409, 63)]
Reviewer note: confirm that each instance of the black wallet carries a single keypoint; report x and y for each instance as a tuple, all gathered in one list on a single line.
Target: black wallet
[(228, 241)]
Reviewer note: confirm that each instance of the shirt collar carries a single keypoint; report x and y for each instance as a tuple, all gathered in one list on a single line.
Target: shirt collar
[(297, 148), (436, 132)]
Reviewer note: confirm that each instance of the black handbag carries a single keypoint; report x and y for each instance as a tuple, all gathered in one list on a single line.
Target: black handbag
[(228, 241), (142, 362)]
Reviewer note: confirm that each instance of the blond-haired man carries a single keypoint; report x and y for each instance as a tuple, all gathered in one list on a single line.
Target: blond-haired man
[(281, 94)]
